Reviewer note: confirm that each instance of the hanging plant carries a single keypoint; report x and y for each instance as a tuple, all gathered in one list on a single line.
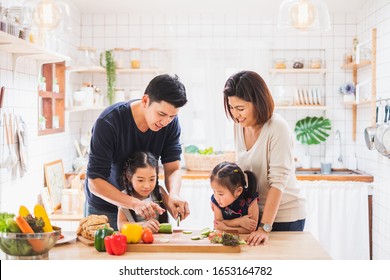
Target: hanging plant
[(312, 130), (110, 74)]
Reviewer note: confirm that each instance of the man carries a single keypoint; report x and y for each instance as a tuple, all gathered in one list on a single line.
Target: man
[(150, 124)]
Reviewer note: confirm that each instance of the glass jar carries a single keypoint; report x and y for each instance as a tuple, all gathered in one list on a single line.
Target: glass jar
[(279, 63), (120, 58), (315, 63), (87, 56), (135, 55), (298, 63)]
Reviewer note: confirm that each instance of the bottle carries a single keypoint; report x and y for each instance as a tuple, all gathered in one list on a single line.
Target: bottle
[(355, 42)]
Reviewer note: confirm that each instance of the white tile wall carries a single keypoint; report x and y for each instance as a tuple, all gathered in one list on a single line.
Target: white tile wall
[(205, 49)]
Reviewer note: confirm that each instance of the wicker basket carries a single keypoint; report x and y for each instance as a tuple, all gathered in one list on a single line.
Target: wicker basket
[(197, 162)]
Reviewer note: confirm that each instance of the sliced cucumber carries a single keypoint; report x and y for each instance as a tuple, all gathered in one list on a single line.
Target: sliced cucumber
[(205, 232), (165, 228), (187, 232), (196, 238)]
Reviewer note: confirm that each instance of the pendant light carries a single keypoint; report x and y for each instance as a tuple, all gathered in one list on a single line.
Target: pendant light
[(47, 15), (304, 15)]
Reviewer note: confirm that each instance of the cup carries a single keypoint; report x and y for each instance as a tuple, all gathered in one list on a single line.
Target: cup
[(326, 167)]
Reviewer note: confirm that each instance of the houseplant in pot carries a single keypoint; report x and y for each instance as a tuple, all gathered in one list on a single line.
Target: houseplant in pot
[(312, 131), (110, 67)]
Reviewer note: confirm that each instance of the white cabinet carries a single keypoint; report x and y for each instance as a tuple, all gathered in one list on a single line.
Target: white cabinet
[(298, 78), (338, 217)]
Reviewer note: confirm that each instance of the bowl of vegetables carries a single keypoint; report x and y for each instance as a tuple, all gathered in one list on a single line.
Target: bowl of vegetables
[(26, 237)]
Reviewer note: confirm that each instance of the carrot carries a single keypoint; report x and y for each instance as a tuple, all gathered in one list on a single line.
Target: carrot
[(36, 244)]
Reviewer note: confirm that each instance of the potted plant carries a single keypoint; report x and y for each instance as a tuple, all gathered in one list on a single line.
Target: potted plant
[(41, 122), (110, 74), (312, 131), (348, 91)]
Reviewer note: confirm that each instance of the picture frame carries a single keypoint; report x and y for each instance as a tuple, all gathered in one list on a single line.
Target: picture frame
[(45, 198), (55, 182)]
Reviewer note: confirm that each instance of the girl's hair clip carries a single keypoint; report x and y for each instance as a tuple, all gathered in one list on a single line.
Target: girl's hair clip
[(235, 170)]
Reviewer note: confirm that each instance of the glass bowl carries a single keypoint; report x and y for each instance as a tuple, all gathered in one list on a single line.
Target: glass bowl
[(28, 246)]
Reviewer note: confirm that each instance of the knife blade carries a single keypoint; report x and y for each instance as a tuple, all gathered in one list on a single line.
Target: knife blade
[(178, 219)]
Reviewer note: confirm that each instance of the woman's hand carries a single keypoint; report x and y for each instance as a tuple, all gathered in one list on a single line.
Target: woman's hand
[(148, 209), (257, 237), (248, 223), (152, 224)]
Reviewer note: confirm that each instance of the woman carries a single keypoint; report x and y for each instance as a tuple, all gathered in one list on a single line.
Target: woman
[(264, 145)]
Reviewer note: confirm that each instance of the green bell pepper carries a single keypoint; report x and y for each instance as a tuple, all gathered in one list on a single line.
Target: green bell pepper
[(100, 234)]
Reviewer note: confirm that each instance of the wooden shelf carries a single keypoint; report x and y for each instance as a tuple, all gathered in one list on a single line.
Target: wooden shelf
[(49, 94), (355, 67), (22, 48), (99, 69), (298, 71), (352, 66), (301, 107), (83, 109)]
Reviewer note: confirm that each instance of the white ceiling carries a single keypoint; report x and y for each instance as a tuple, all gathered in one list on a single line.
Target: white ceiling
[(200, 6)]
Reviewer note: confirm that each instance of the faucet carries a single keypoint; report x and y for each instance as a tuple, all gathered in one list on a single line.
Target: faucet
[(338, 137)]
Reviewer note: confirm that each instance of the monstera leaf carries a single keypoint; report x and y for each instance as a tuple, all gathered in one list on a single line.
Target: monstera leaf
[(312, 130)]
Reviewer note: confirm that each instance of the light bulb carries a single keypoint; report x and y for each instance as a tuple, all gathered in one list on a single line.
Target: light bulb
[(303, 14), (47, 15)]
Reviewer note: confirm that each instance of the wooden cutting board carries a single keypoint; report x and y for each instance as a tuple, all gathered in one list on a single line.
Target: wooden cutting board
[(177, 242), (180, 242), (85, 241)]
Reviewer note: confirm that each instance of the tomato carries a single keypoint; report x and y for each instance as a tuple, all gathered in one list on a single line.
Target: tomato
[(147, 236), (132, 231)]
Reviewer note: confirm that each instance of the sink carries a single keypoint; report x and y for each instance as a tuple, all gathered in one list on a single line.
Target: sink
[(313, 171), (337, 174)]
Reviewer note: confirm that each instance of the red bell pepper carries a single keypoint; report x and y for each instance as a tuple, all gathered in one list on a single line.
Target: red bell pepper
[(116, 244)]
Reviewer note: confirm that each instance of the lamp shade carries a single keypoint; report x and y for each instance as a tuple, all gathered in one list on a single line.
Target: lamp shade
[(47, 15), (304, 15)]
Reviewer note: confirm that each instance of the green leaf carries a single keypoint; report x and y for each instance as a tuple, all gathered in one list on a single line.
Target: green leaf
[(312, 130)]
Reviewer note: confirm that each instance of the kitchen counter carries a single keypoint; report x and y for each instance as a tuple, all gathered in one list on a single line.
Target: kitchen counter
[(312, 174), (281, 245)]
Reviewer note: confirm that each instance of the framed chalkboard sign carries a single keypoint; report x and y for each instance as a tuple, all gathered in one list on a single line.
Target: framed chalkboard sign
[(55, 181)]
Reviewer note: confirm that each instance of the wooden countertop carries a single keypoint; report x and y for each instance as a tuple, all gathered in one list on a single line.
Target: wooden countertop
[(281, 246), (312, 174)]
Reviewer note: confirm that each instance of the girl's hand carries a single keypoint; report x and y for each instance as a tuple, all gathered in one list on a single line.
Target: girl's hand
[(248, 223), (152, 224), (148, 209), (219, 225), (257, 237)]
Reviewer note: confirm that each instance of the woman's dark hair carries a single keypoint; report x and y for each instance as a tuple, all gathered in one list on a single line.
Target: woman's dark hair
[(142, 160), (230, 175), (167, 88), (249, 86)]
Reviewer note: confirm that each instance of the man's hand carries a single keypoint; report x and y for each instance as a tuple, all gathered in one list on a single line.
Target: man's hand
[(176, 206), (148, 209)]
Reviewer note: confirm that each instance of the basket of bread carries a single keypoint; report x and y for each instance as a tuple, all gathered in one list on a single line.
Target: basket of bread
[(89, 225)]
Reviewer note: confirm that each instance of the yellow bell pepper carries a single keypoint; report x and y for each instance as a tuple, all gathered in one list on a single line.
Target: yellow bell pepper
[(40, 212), (132, 231), (23, 211)]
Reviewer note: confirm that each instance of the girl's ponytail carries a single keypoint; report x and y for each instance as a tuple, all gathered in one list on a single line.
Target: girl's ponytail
[(251, 184)]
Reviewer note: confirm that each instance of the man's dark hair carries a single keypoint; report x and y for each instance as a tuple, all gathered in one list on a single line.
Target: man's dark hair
[(167, 88)]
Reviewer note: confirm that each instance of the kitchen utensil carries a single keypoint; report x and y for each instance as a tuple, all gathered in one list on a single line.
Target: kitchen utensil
[(12, 141), (381, 129), (9, 160), (369, 133), (386, 137)]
